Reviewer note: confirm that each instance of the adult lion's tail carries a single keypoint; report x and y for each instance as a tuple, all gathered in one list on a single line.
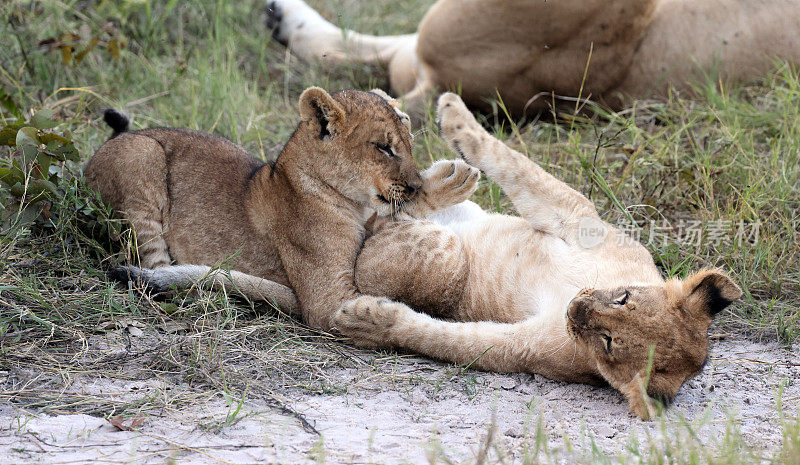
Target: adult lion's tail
[(117, 120)]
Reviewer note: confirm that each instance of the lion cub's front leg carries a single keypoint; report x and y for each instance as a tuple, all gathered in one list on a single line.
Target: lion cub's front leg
[(369, 321), (379, 322)]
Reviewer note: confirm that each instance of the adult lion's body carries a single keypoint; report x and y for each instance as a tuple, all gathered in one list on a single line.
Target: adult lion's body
[(525, 50)]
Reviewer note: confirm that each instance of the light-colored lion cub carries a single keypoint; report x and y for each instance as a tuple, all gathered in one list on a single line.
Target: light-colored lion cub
[(291, 229), (557, 291)]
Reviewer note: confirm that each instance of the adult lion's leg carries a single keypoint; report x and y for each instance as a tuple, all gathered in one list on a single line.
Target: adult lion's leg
[(548, 203), (311, 37)]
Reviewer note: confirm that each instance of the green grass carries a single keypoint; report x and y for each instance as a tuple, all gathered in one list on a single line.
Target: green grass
[(722, 157)]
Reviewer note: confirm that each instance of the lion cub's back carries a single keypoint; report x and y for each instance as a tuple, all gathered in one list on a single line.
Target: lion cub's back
[(196, 184), (176, 168), (207, 178)]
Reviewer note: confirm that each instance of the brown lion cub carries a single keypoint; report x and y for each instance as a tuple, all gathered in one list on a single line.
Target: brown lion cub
[(294, 228), (557, 291)]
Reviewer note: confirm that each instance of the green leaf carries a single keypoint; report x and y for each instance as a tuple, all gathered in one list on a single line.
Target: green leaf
[(38, 189), (51, 137), (9, 104), (41, 187), (42, 166), (5, 198), (168, 307), (63, 152), (43, 119), (28, 143), (18, 189), (11, 176), (27, 216), (4, 173), (60, 147), (8, 135)]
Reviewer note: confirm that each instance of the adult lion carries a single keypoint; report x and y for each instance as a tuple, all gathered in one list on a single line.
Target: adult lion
[(524, 50)]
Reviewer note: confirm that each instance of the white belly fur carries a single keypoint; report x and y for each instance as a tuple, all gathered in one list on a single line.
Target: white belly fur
[(526, 270)]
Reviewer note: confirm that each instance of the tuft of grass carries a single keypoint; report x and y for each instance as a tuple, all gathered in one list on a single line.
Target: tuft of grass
[(677, 442)]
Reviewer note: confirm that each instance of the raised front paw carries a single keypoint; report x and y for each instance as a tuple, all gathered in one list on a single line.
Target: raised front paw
[(449, 182), (368, 320), (458, 127)]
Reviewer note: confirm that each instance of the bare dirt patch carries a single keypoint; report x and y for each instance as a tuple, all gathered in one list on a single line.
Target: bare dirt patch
[(389, 409)]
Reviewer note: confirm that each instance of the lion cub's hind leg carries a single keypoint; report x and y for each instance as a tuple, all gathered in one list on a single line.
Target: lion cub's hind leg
[(416, 262), (129, 172)]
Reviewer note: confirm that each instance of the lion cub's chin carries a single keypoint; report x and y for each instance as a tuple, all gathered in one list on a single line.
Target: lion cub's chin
[(648, 340), (384, 207), (391, 203)]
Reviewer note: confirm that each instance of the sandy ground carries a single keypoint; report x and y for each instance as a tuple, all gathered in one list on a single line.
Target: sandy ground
[(432, 415)]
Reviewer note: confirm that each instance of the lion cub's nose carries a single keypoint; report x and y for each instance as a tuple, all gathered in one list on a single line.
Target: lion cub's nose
[(412, 188), (579, 310)]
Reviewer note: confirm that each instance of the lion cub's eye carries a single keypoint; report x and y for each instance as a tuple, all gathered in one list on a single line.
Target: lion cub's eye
[(384, 149), (623, 299)]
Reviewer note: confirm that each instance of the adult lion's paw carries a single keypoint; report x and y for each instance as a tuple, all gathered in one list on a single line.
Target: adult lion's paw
[(284, 17), (368, 320), (293, 23), (458, 127), (449, 182)]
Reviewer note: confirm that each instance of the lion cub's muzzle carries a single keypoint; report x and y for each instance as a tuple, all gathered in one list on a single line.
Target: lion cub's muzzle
[(580, 310), (400, 193)]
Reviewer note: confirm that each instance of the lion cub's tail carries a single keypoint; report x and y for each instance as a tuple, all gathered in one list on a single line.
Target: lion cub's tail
[(165, 278), (117, 120)]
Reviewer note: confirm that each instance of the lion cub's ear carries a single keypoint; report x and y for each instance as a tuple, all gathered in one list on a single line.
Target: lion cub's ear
[(709, 291), (321, 111)]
